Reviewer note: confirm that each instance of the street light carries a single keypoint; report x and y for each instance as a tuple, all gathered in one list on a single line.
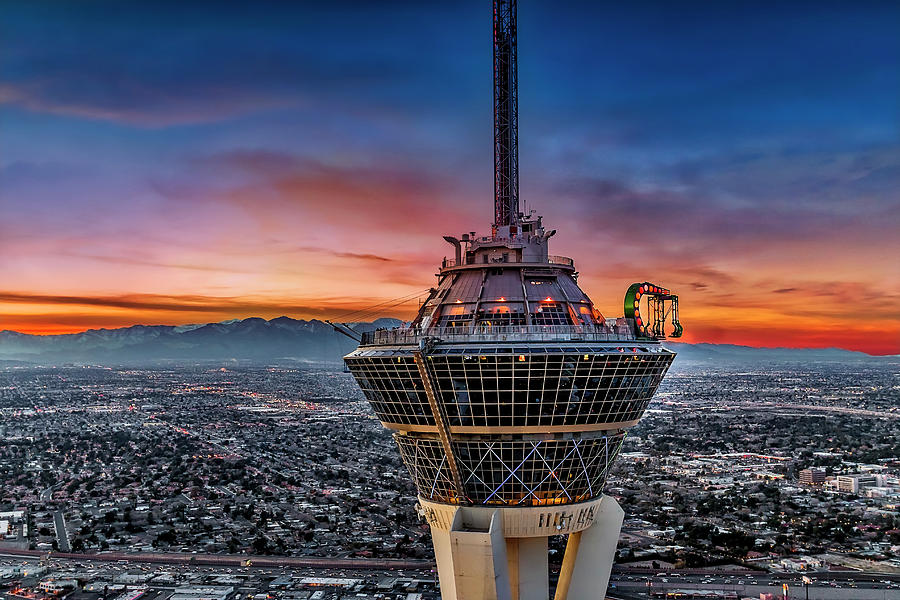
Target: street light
[(806, 583)]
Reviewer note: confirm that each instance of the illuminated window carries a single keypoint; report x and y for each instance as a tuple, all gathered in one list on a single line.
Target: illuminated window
[(551, 313), (500, 316)]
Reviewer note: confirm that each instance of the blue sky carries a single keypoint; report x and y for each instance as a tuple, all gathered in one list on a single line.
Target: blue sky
[(699, 143)]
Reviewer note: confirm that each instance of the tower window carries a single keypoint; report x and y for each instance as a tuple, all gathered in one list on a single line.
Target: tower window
[(551, 313)]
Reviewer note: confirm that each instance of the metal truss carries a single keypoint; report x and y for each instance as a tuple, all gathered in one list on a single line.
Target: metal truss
[(511, 473), (506, 116)]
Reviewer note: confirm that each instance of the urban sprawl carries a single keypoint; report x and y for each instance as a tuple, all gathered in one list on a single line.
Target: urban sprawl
[(218, 483)]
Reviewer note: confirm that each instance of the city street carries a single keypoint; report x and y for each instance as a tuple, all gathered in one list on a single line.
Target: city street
[(62, 536), (839, 587)]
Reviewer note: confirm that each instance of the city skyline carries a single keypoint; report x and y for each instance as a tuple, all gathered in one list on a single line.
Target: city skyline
[(173, 166)]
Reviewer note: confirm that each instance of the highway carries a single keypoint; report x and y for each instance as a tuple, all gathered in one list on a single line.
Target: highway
[(232, 560), (825, 586), (625, 584)]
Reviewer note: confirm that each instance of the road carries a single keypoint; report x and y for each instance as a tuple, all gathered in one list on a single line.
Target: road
[(624, 585), (47, 495), (826, 586), (62, 536), (232, 560)]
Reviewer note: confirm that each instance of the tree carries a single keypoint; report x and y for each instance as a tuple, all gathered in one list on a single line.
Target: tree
[(167, 537)]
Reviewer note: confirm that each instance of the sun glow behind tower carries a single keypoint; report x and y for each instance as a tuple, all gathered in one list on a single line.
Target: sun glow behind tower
[(509, 394)]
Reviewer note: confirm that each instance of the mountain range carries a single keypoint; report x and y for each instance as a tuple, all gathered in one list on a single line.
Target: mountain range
[(254, 339), (287, 340)]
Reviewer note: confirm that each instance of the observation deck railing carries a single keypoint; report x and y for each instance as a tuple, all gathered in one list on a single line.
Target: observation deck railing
[(449, 263), (505, 333), (561, 260)]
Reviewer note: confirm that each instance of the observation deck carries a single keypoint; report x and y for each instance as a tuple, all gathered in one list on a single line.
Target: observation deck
[(509, 387), (560, 261), (402, 336)]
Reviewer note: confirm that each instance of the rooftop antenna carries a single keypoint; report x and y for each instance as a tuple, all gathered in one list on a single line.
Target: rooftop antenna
[(506, 117)]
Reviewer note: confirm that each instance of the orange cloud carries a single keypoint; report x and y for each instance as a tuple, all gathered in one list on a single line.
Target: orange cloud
[(287, 235)]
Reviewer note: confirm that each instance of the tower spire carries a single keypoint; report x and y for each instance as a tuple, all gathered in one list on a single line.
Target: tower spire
[(506, 116), (501, 466)]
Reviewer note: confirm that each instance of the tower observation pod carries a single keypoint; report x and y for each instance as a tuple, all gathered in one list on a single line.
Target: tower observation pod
[(509, 395)]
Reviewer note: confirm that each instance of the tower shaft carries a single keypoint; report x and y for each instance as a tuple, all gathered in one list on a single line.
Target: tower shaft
[(509, 394), (506, 116)]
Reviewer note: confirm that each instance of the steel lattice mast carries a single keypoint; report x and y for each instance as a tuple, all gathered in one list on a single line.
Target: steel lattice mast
[(506, 116)]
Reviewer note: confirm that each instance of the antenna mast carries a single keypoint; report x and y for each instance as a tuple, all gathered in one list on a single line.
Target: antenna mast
[(506, 117)]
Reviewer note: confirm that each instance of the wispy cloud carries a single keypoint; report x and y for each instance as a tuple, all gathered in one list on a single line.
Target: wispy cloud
[(125, 260), (151, 111), (205, 76), (249, 161), (130, 301), (198, 303), (353, 255)]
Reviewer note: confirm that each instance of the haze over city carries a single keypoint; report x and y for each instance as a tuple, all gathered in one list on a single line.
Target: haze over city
[(178, 164)]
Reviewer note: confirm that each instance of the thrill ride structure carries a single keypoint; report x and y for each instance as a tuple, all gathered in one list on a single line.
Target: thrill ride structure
[(509, 394), (653, 322)]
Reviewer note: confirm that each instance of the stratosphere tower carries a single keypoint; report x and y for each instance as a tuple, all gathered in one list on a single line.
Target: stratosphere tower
[(509, 394)]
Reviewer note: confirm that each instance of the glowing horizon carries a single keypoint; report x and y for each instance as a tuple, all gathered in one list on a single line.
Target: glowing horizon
[(199, 169)]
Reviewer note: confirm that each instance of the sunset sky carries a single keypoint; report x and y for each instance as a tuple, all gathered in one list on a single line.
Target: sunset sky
[(161, 164)]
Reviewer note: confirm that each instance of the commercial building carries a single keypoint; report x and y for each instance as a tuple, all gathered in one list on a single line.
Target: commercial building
[(206, 592), (854, 484), (812, 476)]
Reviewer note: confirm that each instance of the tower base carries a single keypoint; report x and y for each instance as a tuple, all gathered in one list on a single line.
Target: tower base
[(500, 553)]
